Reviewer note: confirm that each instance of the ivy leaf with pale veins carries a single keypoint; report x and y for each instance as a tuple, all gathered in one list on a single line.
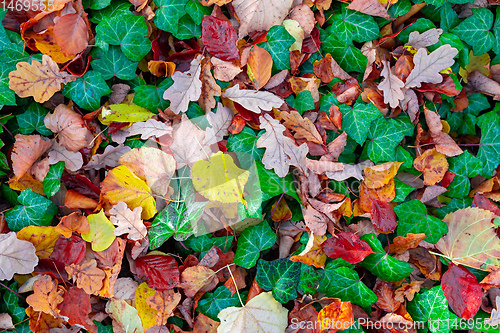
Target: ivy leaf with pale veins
[(475, 30), (87, 90), (431, 307), (489, 147), (278, 44), (348, 56), (211, 304), (281, 276), (251, 242), (32, 120), (357, 119), (169, 13), (151, 97), (352, 25), (33, 209), (52, 182), (114, 63), (413, 218), (382, 264)]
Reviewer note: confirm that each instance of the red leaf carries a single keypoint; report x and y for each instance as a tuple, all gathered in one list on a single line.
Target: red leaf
[(82, 185), (219, 38), (237, 124), (383, 216), (76, 306), (447, 178), (447, 87), (162, 271), (347, 246), (69, 250), (462, 291), (485, 203)]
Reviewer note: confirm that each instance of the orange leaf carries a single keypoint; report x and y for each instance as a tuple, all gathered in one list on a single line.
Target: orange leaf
[(71, 34), (73, 222), (259, 66), (75, 200), (433, 164), (69, 127), (163, 302), (327, 69), (336, 317), (408, 290), (380, 175), (87, 276), (39, 80), (42, 322), (46, 296), (26, 181), (46, 44), (385, 294), (161, 68), (282, 212), (110, 261), (209, 88), (303, 127), (43, 238), (313, 253), (238, 282), (402, 244), (27, 149), (195, 278), (386, 193)]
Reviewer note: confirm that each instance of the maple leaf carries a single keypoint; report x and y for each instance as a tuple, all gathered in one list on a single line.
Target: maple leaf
[(40, 80), (262, 314), (220, 122), (16, 256), (471, 240), (260, 15), (391, 85), (128, 221), (27, 149), (46, 296), (87, 276), (428, 66), (186, 87), (253, 100)]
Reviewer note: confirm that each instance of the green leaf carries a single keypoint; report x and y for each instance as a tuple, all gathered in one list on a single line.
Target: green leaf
[(383, 137), (87, 90), (129, 32), (272, 185), (309, 280), (449, 17), (196, 10), (245, 142), (211, 304), (352, 25), (413, 218), (278, 44), (32, 120), (11, 304), (421, 25), (453, 205), (33, 209), (114, 63), (52, 182), (7, 96), (341, 281), (431, 307), (489, 146), (103, 329), (465, 164), (96, 4), (117, 8), (348, 56), (4, 40), (151, 97), (251, 242), (402, 190), (281, 276), (187, 28), (459, 187), (168, 15), (442, 2), (356, 120), (205, 242), (382, 264), (475, 30), (399, 8), (304, 101)]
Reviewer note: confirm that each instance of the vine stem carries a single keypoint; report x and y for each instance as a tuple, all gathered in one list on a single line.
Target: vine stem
[(15, 292)]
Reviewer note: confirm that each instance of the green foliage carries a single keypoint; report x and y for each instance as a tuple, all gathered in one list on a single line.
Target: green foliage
[(281, 276), (33, 209), (252, 241)]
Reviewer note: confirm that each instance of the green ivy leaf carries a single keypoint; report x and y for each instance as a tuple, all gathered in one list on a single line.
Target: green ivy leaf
[(356, 120), (449, 17), (11, 304), (489, 147), (169, 13), (187, 28), (151, 97), (304, 101), (352, 25), (281, 276), (384, 135), (341, 281), (475, 30), (431, 307), (117, 8), (129, 32), (347, 56), (196, 10), (87, 90), (245, 142), (114, 63), (32, 120), (205, 242), (96, 4), (421, 25), (278, 44), (453, 205), (459, 187), (211, 304), (309, 280), (438, 3), (52, 181), (402, 190), (251, 242), (271, 185), (413, 218), (7, 96), (33, 209), (465, 164), (103, 329), (382, 264)]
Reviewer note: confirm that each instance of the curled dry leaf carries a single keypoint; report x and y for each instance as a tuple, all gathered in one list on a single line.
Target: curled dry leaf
[(209, 88), (482, 83), (391, 85), (69, 127), (39, 80), (27, 149)]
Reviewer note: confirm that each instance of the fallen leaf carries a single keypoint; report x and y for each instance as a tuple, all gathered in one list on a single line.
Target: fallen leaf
[(161, 270), (209, 88), (420, 40), (433, 164), (253, 100), (428, 66), (109, 158), (401, 244), (100, 231), (259, 66), (26, 150), (75, 200), (73, 161), (385, 294), (224, 70), (127, 221), (377, 176), (391, 85), (125, 112), (38, 80), (313, 252), (69, 127), (163, 302), (125, 317), (76, 307), (46, 296), (149, 128), (408, 291), (316, 221), (161, 68), (281, 211), (43, 238), (219, 122), (16, 256), (303, 127), (220, 38), (370, 7), (327, 69), (482, 83), (69, 250), (71, 34), (347, 246), (462, 291), (73, 222), (195, 278), (186, 87), (338, 315), (304, 16), (188, 149), (383, 216), (42, 322), (262, 313), (87, 276), (481, 63)]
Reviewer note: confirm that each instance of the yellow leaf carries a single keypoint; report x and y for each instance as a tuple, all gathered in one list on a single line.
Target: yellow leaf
[(295, 30), (124, 113), (40, 80), (101, 232), (146, 313), (220, 179), (479, 63), (121, 184), (43, 238)]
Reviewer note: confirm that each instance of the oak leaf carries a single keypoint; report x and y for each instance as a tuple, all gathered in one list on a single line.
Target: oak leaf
[(209, 88), (253, 100), (46, 296), (186, 87), (428, 66), (420, 40), (16, 256), (87, 276), (109, 158), (69, 127), (128, 221), (149, 128), (220, 122), (391, 85), (26, 150), (39, 80), (261, 314)]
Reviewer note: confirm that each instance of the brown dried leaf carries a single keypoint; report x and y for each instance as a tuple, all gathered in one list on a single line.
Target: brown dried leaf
[(27, 149), (88, 277), (69, 127), (370, 7), (327, 69), (46, 296), (71, 34)]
